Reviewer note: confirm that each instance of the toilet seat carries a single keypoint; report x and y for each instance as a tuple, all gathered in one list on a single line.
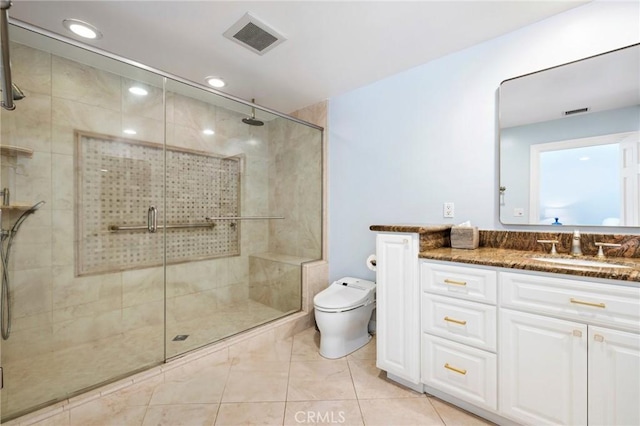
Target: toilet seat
[(344, 295)]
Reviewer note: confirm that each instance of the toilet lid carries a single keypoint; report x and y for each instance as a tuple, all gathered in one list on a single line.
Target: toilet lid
[(346, 293)]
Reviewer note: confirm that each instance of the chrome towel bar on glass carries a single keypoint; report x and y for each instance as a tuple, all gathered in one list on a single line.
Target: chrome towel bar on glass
[(117, 228), (152, 227), (242, 218)]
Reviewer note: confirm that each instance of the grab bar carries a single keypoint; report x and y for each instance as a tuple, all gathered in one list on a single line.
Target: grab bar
[(242, 218), (119, 228), (5, 60)]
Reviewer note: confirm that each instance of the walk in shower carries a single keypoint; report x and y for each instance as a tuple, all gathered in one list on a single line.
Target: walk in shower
[(167, 223)]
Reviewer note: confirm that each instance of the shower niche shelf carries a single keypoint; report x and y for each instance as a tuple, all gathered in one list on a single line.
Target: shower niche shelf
[(15, 151), (17, 206)]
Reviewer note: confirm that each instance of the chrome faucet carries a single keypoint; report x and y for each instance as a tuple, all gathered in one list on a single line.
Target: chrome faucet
[(576, 249)]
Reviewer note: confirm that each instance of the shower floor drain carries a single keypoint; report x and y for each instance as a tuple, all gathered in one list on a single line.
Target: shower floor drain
[(180, 337)]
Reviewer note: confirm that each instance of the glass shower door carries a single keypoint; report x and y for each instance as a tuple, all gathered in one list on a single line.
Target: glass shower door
[(86, 299)]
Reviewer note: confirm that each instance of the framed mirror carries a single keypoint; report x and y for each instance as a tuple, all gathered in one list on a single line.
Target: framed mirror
[(570, 143)]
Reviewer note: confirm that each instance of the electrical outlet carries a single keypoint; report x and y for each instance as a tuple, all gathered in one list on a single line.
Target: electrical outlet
[(447, 210), (518, 212)]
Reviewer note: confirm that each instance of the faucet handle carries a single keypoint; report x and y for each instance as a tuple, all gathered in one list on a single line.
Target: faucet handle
[(553, 245), (600, 245)]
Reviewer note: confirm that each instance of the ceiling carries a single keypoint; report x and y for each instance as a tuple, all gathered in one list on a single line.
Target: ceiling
[(332, 47)]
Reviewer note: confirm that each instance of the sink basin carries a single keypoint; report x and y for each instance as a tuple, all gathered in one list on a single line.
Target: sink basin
[(580, 262)]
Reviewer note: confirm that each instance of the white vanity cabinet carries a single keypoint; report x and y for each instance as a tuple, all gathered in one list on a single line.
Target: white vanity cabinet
[(458, 340), (531, 348), (569, 350), (398, 306)]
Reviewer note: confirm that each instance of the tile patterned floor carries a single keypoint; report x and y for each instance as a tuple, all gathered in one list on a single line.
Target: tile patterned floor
[(286, 384)]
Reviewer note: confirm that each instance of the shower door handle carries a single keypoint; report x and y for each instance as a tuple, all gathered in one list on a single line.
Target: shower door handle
[(152, 219)]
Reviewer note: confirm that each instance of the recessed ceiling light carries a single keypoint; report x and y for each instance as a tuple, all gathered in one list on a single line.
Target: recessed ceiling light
[(129, 131), (215, 82), (81, 28), (585, 158), (137, 90), (208, 132)]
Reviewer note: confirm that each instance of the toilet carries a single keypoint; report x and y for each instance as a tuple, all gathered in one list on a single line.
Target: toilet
[(342, 312)]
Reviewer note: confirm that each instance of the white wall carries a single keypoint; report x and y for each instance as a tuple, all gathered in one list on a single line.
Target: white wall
[(401, 147)]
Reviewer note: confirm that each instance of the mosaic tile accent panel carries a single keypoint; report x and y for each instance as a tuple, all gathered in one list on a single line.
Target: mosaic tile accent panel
[(117, 180)]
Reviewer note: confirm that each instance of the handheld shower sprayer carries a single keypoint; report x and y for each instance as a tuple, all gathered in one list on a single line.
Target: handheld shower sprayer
[(24, 216), (5, 293)]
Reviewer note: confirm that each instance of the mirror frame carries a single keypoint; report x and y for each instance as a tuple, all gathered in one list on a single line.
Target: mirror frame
[(564, 115)]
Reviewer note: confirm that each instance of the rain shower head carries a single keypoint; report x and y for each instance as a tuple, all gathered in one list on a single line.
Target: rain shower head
[(253, 121)]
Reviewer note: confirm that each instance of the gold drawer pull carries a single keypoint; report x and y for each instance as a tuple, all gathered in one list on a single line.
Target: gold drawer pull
[(461, 322), (454, 282), (457, 370), (580, 302)]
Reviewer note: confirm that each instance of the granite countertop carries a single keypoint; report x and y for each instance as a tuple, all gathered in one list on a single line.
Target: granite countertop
[(411, 228), (517, 249), (520, 259)]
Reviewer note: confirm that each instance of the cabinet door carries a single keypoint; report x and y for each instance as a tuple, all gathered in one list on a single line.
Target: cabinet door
[(398, 303), (614, 377), (543, 369)]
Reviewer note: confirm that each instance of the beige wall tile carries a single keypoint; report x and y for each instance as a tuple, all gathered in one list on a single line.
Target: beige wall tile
[(62, 179), (141, 286), (31, 126), (33, 179), (148, 129), (70, 291), (82, 83), (31, 69), (150, 105), (62, 237), (69, 115), (31, 292)]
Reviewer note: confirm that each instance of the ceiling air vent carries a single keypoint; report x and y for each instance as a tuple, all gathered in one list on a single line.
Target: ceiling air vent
[(254, 34), (576, 111)]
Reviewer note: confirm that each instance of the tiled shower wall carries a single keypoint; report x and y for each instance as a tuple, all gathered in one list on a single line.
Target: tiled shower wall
[(295, 168), (53, 309)]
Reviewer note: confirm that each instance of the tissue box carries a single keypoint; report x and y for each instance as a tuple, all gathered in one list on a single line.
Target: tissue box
[(465, 237)]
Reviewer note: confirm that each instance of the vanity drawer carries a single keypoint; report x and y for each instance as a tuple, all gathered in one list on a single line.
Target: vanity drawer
[(458, 281), (466, 322), (459, 370), (603, 304)]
